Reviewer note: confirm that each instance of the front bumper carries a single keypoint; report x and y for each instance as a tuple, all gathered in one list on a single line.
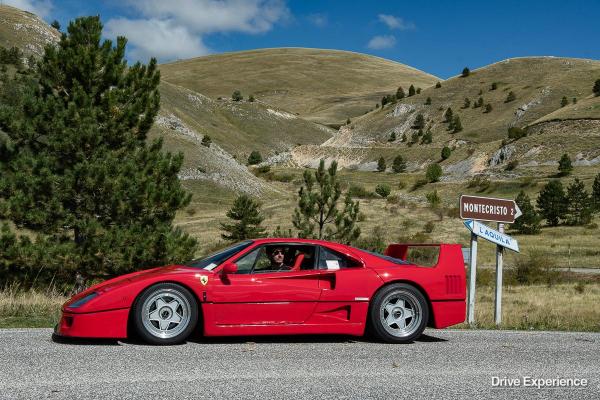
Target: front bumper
[(103, 324)]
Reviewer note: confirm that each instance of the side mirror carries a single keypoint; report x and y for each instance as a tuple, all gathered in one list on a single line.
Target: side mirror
[(229, 268)]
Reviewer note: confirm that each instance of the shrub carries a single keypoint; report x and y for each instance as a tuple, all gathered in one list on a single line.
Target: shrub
[(510, 97), (428, 227), (516, 133), (254, 158), (411, 91), (392, 137), (56, 25), (433, 173), (439, 85), (596, 88), (488, 108), (537, 267), (467, 103), (512, 165), (263, 169), (393, 199), (206, 141), (375, 242), (456, 124), (358, 191), (383, 190), (251, 98), (574, 100), (237, 95), (446, 152), (494, 86), (418, 90), (428, 101), (419, 183), (433, 199), (465, 72), (427, 137), (564, 101)]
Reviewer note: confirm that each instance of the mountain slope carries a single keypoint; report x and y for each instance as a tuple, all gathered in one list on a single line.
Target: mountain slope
[(326, 86), (25, 30)]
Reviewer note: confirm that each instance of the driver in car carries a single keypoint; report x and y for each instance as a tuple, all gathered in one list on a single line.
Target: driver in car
[(277, 257)]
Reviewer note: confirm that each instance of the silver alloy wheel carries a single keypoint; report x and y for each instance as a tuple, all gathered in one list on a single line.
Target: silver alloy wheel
[(166, 313), (400, 313)]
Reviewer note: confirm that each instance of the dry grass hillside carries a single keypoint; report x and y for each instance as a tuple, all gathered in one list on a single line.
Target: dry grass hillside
[(25, 30), (326, 86)]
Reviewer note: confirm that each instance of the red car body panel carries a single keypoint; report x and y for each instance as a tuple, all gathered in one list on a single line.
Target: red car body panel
[(290, 302)]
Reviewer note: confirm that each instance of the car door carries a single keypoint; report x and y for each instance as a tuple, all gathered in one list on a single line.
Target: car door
[(261, 296), (347, 286)]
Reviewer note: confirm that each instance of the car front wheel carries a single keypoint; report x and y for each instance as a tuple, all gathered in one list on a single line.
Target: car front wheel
[(165, 313), (399, 313)]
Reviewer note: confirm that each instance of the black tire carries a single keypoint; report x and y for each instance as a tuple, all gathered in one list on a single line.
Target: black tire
[(187, 310), (414, 303)]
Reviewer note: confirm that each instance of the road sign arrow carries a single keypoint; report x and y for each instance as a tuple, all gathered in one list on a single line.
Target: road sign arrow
[(518, 211), (492, 235)]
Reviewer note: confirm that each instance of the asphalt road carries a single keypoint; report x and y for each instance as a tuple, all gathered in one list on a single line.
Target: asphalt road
[(443, 364)]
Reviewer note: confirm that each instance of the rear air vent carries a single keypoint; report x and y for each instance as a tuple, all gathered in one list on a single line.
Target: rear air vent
[(453, 284)]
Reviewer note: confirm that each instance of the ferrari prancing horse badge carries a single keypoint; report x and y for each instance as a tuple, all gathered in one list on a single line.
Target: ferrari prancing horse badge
[(204, 279)]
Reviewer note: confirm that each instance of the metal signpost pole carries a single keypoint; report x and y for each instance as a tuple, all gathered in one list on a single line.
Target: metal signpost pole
[(472, 271), (499, 260)]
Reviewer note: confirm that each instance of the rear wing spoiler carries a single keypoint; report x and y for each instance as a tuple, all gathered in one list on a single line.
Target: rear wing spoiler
[(450, 256)]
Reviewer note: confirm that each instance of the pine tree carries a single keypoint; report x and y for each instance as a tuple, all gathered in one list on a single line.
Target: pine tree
[(400, 93), (448, 115), (419, 122), (399, 165), (529, 221), (510, 97), (348, 121), (56, 25), (419, 90), (392, 137), (384, 101), (488, 108), (465, 72), (596, 88), (411, 91), (246, 212), (317, 207), (428, 101), (564, 165), (467, 103), (237, 95), (494, 86), (446, 152), (579, 206), (596, 193), (381, 167), (383, 190), (456, 124), (76, 167), (438, 85), (254, 158), (433, 173), (251, 98), (564, 101), (552, 202)]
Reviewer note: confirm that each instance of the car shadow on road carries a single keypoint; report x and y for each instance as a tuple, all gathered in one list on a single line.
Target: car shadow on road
[(84, 341)]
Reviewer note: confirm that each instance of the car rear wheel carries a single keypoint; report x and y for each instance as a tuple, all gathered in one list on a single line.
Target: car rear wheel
[(165, 313), (398, 313)]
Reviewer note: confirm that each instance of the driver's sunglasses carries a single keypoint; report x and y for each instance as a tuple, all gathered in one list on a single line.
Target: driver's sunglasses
[(277, 252)]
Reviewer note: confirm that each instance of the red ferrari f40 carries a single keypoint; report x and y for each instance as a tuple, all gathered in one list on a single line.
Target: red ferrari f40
[(278, 287)]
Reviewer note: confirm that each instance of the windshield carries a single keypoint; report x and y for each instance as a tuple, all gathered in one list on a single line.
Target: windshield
[(388, 258), (215, 259)]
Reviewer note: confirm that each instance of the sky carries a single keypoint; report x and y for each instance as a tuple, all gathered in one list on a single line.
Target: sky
[(438, 37)]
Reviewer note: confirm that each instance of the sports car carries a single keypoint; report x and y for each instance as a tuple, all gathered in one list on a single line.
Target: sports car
[(278, 287)]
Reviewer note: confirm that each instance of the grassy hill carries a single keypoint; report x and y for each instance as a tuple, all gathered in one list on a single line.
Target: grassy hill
[(25, 30), (326, 86)]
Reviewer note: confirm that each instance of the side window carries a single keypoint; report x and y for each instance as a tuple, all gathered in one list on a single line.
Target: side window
[(246, 263), (278, 258), (332, 260)]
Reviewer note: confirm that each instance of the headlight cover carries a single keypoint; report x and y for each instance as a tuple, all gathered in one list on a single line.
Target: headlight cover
[(83, 300)]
